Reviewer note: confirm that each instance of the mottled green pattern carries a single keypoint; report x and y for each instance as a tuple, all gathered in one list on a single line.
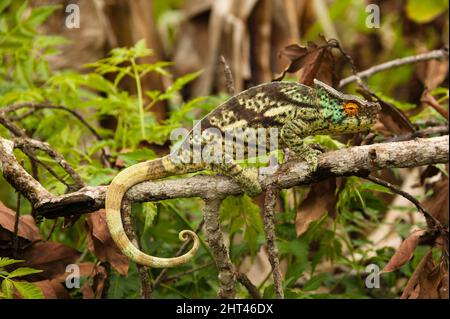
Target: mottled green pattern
[(296, 110)]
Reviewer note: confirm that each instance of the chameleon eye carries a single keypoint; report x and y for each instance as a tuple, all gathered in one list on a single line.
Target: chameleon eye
[(351, 108)]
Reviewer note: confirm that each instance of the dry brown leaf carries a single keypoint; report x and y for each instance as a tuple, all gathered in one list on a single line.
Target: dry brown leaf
[(394, 121), (98, 284), (101, 243), (404, 252), (52, 289), (27, 227), (315, 60), (429, 281), (433, 73), (50, 257), (320, 200), (438, 204)]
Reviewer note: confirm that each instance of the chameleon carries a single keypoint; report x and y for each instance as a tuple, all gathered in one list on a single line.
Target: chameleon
[(295, 110)]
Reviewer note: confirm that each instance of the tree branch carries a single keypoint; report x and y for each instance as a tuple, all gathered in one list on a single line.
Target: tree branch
[(432, 55), (358, 160), (214, 237), (269, 228)]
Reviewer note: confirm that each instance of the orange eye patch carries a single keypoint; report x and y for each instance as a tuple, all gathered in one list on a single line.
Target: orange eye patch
[(351, 108)]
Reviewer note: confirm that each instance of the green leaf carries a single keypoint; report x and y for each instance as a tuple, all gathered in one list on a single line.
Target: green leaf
[(424, 11), (149, 210), (140, 49), (20, 12), (137, 156), (7, 288), (375, 187), (40, 14), (5, 261), (23, 271), (28, 290), (315, 282), (4, 4)]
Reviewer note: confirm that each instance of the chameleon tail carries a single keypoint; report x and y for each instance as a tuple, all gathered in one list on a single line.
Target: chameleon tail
[(130, 176)]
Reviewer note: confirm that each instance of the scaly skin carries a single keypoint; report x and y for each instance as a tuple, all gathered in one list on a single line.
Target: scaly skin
[(296, 110)]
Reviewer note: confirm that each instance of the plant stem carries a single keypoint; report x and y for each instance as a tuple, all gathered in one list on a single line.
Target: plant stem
[(139, 95)]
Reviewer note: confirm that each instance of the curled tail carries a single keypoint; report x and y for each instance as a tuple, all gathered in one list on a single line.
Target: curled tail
[(130, 176)]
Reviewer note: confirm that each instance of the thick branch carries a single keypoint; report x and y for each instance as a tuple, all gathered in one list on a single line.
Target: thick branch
[(352, 161)]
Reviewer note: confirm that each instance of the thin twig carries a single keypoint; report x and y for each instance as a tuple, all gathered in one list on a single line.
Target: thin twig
[(163, 274), (16, 226), (365, 88), (28, 152), (57, 157), (432, 55), (251, 288), (52, 229), (187, 272), (228, 76), (431, 220), (429, 99), (429, 131), (36, 106), (269, 228)]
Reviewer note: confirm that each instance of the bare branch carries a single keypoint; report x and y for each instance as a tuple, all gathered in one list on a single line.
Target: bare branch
[(24, 143), (251, 288), (429, 99), (431, 220), (269, 228), (432, 55), (146, 286), (228, 76), (163, 274), (214, 237), (358, 160)]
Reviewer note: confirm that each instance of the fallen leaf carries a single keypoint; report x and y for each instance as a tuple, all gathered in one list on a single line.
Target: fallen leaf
[(101, 243), (320, 200), (404, 252)]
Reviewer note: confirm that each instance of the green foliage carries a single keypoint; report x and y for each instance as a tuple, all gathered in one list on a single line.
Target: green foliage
[(425, 11), (27, 290), (241, 216)]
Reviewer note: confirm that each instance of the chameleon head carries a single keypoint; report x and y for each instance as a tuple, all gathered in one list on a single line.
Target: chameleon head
[(345, 112)]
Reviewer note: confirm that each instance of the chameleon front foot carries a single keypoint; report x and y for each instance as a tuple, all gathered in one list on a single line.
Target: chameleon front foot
[(248, 179), (312, 158)]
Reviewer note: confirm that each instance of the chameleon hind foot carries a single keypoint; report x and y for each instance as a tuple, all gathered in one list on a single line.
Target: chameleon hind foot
[(312, 158), (248, 180)]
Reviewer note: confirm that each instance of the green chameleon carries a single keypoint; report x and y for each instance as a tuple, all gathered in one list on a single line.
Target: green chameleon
[(296, 110)]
